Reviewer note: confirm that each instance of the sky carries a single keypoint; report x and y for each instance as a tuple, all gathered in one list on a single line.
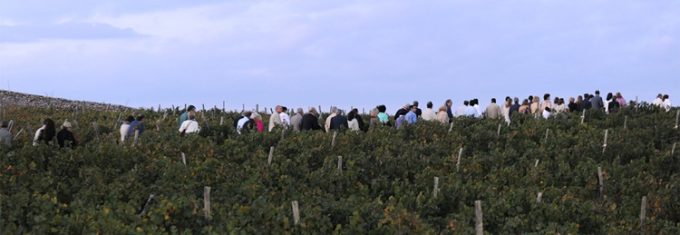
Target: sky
[(348, 53)]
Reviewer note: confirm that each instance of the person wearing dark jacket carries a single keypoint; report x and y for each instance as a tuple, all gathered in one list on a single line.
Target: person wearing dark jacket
[(65, 137), (402, 111), (449, 111), (45, 134), (310, 121), (339, 122), (419, 112)]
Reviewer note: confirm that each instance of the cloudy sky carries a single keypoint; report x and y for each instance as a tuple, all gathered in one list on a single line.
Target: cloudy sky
[(344, 52)]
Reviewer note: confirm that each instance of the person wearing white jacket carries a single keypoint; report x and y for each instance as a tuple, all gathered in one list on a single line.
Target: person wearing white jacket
[(428, 113), (190, 126)]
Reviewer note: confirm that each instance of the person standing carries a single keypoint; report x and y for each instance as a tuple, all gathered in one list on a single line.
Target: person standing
[(443, 115), (418, 111), (45, 134), (334, 112), (244, 124), (296, 120), (275, 119), (412, 116), (125, 128), (285, 119), (352, 120), (65, 137), (383, 118), (667, 105), (5, 135), (402, 111), (493, 111), (189, 126), (596, 101), (339, 121), (259, 125), (191, 110), (429, 114), (310, 121), (449, 109), (137, 126)]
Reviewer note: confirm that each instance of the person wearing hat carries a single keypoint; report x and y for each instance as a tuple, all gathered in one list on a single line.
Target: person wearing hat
[(5, 135), (65, 137)]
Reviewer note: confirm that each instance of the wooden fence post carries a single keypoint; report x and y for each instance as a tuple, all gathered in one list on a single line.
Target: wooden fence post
[(643, 214), (206, 203), (271, 155), (296, 212), (435, 188), (340, 165), (335, 134), (604, 146), (498, 132), (479, 223), (583, 116), (460, 155), (600, 181)]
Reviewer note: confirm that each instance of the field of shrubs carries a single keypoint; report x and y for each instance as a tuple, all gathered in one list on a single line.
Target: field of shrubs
[(384, 184)]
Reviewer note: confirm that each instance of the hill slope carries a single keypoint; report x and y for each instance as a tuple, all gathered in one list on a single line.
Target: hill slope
[(11, 98)]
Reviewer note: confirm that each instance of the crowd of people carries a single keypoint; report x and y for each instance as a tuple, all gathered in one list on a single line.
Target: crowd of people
[(338, 119), (410, 113)]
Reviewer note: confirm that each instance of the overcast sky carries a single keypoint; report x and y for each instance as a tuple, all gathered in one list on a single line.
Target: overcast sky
[(345, 52)]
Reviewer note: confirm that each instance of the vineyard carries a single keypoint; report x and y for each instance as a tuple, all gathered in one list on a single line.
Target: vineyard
[(610, 174)]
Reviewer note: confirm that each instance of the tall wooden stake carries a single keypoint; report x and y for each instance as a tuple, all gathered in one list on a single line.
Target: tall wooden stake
[(600, 180), (460, 155), (536, 164), (435, 188), (479, 223), (677, 117), (643, 214), (335, 134), (184, 159), (296, 212), (271, 155), (547, 132), (221, 121), (539, 197), (498, 132), (583, 116), (206, 203), (672, 150), (146, 205), (450, 127), (340, 165), (604, 146), (625, 123)]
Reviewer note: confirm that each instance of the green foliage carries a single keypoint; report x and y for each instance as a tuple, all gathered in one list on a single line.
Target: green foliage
[(385, 186)]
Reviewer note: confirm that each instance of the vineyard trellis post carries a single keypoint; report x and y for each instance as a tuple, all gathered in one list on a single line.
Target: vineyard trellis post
[(536, 164), (547, 133), (625, 123), (600, 181), (450, 127), (435, 188), (18, 133), (677, 118), (96, 130), (498, 132), (184, 159), (271, 155), (460, 155), (206, 202), (222, 121), (340, 165), (146, 205), (583, 116), (539, 197), (335, 134), (479, 218), (643, 214), (604, 146), (673, 149), (296, 212)]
